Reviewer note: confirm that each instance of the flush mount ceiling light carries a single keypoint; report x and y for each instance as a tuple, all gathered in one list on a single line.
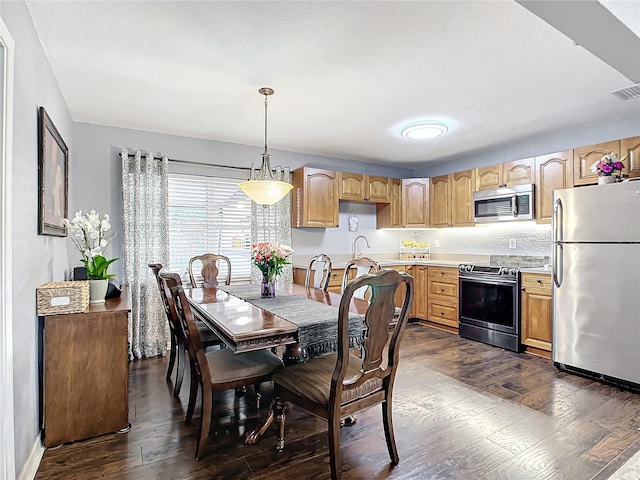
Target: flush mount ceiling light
[(419, 131), (265, 190)]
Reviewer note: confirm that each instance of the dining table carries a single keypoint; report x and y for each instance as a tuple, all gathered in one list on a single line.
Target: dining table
[(302, 319)]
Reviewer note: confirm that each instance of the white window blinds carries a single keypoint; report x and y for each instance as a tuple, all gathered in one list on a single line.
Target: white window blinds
[(209, 215)]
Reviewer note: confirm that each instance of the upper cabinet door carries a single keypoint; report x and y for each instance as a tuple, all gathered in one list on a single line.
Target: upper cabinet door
[(378, 189), (553, 172), (352, 186), (314, 198), (630, 147), (462, 188), (584, 157), (440, 200), (489, 178), (415, 202), (518, 172)]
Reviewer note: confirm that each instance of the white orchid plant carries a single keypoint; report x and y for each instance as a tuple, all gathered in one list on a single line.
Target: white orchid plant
[(90, 234)]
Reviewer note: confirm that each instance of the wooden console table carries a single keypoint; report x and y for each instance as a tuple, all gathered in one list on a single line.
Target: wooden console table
[(86, 374)]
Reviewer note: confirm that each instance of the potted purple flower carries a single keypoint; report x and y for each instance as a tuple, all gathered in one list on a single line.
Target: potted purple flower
[(606, 168)]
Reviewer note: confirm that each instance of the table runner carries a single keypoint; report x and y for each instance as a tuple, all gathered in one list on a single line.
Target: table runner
[(317, 322)]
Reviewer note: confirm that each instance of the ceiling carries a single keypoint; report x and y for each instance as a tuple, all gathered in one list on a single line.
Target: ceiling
[(347, 75)]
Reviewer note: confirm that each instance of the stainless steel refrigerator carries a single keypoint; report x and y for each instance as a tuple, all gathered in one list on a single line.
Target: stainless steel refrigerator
[(596, 273)]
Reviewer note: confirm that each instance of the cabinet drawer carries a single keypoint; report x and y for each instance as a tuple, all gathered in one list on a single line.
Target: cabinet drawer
[(444, 272), (536, 280), (336, 277), (442, 313), (446, 289)]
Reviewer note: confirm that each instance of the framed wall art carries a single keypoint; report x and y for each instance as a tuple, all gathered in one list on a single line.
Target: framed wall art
[(53, 178)]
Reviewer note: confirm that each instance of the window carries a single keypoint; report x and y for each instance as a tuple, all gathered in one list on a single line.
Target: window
[(209, 215)]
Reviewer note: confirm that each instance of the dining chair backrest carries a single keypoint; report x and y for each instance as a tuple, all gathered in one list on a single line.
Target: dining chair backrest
[(379, 352), (209, 270), (363, 266), (320, 267), (183, 316), (156, 268)]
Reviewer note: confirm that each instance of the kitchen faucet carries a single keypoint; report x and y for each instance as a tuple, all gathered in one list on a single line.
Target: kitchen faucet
[(354, 247)]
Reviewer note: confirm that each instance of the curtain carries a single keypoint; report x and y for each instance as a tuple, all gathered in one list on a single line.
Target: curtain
[(145, 221), (272, 223)]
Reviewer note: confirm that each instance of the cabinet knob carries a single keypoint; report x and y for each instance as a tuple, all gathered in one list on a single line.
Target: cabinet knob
[(538, 280), (441, 273), (523, 289), (442, 289), (441, 313)]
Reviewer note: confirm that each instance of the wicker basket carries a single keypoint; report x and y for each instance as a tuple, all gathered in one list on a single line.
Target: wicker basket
[(62, 297)]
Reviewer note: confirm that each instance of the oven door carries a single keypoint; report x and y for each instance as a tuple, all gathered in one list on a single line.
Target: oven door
[(490, 303)]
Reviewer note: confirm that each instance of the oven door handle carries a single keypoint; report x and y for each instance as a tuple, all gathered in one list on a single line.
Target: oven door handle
[(488, 281)]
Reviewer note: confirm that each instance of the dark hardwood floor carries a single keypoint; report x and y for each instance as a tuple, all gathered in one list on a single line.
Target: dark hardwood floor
[(462, 410)]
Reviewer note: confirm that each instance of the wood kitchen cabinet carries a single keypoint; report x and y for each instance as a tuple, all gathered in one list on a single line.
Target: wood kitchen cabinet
[(442, 291), (508, 174), (553, 172), (584, 157), (420, 293), (85, 372), (314, 198), (451, 198), (536, 309), (364, 188), (630, 147), (415, 203), (389, 215), (439, 201)]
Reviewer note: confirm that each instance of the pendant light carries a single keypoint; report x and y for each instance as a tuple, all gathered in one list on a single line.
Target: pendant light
[(265, 190)]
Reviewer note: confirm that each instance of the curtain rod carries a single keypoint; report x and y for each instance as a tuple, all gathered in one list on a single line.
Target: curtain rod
[(190, 162)]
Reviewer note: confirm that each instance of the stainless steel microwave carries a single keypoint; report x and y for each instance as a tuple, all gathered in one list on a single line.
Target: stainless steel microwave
[(504, 204)]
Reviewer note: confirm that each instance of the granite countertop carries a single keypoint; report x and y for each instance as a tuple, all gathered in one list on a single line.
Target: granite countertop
[(390, 263)]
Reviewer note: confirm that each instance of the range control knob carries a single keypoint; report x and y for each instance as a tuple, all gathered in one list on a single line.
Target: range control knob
[(504, 271), (513, 272)]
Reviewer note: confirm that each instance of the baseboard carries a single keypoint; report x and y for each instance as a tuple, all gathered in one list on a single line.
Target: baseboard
[(30, 467)]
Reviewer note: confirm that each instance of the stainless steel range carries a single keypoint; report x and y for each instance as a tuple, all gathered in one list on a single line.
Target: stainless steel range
[(490, 304)]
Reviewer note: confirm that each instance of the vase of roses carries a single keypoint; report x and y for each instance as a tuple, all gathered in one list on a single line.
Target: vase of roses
[(90, 234), (606, 168), (270, 257)]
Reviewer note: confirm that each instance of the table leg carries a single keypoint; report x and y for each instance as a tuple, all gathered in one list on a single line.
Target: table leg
[(291, 355), (256, 434)]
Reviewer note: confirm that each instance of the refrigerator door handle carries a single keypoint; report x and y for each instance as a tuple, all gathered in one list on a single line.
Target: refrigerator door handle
[(558, 271)]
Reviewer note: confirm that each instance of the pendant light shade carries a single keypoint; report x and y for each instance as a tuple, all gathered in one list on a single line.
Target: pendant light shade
[(265, 190)]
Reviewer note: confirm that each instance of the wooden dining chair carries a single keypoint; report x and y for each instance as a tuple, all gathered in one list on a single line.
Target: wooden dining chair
[(320, 267), (214, 370), (363, 266), (178, 346), (337, 385), (210, 270)]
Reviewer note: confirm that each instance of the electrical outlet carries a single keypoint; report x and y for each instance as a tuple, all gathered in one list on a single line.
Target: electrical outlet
[(512, 243), (437, 244)]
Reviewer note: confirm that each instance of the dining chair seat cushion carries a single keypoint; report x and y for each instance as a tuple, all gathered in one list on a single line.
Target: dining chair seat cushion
[(226, 366), (312, 380)]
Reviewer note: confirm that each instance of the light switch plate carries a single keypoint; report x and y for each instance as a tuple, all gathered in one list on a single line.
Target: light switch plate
[(512, 243)]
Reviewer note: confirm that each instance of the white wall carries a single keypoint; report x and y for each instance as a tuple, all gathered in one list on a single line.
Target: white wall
[(36, 259), (97, 148), (490, 239), (550, 142)]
